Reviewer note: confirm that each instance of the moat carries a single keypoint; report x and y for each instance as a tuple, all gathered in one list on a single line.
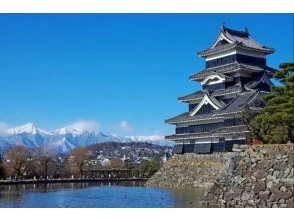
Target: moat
[(130, 194)]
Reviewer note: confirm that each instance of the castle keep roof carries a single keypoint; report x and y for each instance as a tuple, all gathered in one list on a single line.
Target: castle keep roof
[(230, 68), (235, 106), (229, 39)]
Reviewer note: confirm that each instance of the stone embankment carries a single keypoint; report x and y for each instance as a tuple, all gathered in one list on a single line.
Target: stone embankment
[(261, 176), (191, 170)]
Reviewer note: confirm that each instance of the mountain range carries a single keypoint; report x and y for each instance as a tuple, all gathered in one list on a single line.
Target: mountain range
[(66, 139)]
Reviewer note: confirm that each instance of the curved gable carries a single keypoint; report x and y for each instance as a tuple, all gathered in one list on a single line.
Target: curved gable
[(205, 101), (213, 79)]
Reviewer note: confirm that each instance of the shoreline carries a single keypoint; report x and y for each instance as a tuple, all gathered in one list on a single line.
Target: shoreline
[(13, 182)]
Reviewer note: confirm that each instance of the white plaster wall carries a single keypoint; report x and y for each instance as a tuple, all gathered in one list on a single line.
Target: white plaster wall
[(235, 51)]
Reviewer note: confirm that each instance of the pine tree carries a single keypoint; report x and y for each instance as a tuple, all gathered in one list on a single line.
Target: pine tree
[(275, 122)]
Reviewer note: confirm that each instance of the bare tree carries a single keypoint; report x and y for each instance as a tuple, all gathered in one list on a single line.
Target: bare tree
[(31, 164), (116, 163), (15, 160), (44, 157), (78, 158), (61, 167)]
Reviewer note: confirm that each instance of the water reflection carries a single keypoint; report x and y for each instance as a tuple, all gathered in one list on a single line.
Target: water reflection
[(188, 197), (98, 194)]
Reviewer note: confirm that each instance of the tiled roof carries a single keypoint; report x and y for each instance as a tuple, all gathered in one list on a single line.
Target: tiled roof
[(229, 68), (196, 95), (237, 104), (229, 90), (257, 80), (185, 117), (229, 130), (236, 88), (245, 39), (217, 102), (239, 39), (216, 49)]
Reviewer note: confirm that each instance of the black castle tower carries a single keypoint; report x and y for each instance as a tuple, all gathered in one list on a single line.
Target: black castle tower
[(235, 77)]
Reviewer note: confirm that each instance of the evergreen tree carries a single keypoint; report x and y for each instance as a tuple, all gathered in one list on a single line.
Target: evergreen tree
[(148, 168), (128, 164), (275, 122)]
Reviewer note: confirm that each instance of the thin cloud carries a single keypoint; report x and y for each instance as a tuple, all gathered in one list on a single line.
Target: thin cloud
[(125, 126), (85, 125)]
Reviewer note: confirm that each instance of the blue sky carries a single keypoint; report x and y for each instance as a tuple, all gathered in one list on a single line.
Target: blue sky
[(119, 73)]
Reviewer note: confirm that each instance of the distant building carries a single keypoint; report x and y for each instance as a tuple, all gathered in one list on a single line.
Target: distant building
[(236, 75)]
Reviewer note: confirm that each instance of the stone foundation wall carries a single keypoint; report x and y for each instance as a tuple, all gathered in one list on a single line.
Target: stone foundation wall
[(191, 170), (260, 176)]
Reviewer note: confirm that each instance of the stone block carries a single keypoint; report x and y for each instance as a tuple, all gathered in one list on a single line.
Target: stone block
[(243, 154), (279, 166), (274, 189), (269, 184), (260, 157), (288, 185), (283, 188), (261, 174), (242, 146), (264, 195), (287, 171), (276, 180), (291, 159), (247, 196), (259, 186), (282, 195), (253, 178), (290, 203), (264, 165), (276, 173), (263, 151), (247, 173), (262, 204)]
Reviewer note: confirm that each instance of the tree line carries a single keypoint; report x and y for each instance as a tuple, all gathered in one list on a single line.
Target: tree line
[(43, 163)]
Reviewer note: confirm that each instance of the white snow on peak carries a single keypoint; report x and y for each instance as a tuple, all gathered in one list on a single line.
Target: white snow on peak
[(66, 130), (155, 139), (146, 138), (29, 128), (65, 139)]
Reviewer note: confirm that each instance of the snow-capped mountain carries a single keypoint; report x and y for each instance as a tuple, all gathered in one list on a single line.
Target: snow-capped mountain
[(66, 139), (29, 128), (155, 139)]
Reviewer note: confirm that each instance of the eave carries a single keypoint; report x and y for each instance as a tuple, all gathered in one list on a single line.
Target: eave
[(213, 51)]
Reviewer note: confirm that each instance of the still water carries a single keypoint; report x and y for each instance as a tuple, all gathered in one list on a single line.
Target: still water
[(124, 194)]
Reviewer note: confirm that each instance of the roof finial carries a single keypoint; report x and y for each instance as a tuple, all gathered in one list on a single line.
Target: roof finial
[(246, 30), (223, 25)]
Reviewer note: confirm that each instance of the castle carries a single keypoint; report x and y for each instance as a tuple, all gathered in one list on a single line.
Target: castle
[(236, 76)]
